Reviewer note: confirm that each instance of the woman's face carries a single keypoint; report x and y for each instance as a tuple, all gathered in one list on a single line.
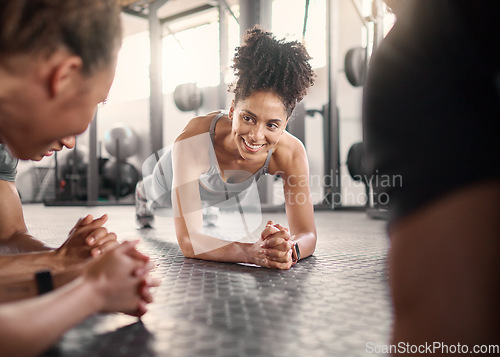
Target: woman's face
[(258, 123)]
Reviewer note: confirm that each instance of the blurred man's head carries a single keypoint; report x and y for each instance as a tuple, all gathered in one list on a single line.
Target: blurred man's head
[(68, 142), (57, 62)]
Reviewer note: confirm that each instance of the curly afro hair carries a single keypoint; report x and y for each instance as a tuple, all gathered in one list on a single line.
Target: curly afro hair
[(263, 63)]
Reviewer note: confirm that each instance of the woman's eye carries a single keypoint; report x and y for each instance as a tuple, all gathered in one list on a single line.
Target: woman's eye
[(246, 118), (273, 126)]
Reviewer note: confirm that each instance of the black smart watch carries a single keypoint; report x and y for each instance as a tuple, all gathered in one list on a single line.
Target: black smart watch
[(43, 280), (295, 253)]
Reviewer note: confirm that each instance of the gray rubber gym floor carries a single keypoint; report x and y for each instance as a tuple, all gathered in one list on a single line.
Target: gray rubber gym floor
[(335, 303)]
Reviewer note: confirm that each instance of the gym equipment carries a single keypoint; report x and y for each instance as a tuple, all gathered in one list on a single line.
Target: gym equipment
[(356, 63), (377, 199), (356, 164), (75, 160), (188, 97), (331, 150), (357, 58), (121, 177), (355, 66), (113, 177), (71, 177), (121, 141)]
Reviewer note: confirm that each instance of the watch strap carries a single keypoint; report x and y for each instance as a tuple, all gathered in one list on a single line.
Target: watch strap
[(295, 253), (44, 282)]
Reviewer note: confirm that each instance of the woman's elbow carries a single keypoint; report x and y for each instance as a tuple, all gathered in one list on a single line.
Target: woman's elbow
[(186, 246), (309, 243), (313, 245), (314, 240)]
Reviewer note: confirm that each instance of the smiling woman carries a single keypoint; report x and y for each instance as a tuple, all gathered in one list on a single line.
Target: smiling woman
[(219, 157)]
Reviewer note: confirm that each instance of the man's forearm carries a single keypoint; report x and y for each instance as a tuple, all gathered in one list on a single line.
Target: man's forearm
[(49, 317), (22, 265), (21, 242), (22, 287)]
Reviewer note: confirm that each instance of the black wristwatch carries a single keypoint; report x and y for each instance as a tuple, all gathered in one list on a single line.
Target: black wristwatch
[(295, 253), (43, 280)]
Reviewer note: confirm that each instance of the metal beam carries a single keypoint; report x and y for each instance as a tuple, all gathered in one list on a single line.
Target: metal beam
[(378, 23), (358, 11), (124, 3), (93, 167), (186, 13), (254, 12), (332, 154), (126, 10), (223, 53), (155, 77), (228, 8)]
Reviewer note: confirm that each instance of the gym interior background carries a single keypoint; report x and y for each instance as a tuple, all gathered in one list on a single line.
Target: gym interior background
[(174, 64), (190, 50)]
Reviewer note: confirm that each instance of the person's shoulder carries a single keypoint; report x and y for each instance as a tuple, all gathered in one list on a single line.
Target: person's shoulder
[(289, 152), (190, 151), (197, 125), (8, 165), (289, 145), (193, 142)]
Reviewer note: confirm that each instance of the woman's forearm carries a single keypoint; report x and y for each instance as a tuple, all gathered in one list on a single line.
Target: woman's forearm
[(206, 247), (196, 244), (232, 252), (49, 317)]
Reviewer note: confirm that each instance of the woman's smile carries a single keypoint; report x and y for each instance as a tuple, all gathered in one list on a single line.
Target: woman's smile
[(252, 148)]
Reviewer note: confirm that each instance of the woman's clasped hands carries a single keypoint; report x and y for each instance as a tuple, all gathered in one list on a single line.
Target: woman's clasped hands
[(274, 248)]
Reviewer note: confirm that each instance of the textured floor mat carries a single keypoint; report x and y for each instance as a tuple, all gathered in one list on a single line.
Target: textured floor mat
[(331, 304)]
